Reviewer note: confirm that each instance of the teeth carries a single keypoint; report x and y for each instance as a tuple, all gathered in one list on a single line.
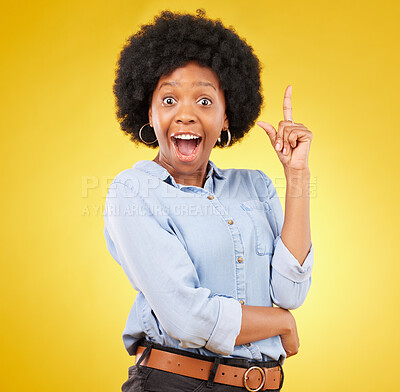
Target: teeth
[(186, 136)]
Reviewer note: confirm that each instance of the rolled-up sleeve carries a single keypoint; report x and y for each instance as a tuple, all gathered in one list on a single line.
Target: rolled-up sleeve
[(289, 281), (287, 265), (142, 240)]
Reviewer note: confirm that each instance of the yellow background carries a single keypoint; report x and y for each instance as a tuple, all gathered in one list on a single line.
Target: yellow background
[(65, 300)]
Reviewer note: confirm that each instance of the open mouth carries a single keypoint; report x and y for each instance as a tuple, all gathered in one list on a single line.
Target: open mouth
[(186, 146)]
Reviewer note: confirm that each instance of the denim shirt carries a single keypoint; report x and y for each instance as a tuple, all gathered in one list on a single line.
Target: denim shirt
[(195, 255)]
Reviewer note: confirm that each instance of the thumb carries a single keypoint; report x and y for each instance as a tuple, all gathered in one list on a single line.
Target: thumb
[(271, 131)]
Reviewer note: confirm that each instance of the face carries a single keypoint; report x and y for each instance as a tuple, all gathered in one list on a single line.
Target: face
[(187, 113)]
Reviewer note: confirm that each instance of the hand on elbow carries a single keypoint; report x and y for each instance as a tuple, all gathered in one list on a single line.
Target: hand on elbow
[(290, 339)]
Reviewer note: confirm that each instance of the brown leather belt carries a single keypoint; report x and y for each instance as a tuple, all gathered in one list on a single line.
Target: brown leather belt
[(253, 379)]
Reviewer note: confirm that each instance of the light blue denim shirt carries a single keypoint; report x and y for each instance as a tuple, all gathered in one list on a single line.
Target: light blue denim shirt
[(196, 254)]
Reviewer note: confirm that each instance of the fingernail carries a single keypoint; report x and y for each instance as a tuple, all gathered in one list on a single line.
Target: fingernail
[(284, 151), (278, 146)]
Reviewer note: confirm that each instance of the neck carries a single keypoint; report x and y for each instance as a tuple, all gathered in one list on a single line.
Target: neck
[(194, 178)]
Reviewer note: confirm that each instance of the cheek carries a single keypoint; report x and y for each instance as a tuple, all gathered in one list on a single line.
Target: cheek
[(159, 118), (216, 122)]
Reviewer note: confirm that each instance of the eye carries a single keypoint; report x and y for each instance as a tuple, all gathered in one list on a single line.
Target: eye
[(205, 102), (168, 100)]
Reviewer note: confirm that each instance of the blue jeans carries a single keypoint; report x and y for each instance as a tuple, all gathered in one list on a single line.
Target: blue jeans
[(142, 378), (145, 379)]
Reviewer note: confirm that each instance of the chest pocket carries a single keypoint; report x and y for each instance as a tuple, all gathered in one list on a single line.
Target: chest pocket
[(262, 216)]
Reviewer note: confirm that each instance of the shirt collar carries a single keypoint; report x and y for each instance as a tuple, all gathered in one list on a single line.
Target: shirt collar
[(154, 169)]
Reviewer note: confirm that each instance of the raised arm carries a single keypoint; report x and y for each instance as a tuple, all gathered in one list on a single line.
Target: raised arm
[(296, 232), (293, 258)]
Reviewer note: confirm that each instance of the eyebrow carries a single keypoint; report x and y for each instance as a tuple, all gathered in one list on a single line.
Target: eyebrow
[(194, 84)]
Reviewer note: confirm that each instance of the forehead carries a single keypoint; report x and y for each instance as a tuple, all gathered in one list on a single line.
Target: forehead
[(190, 74)]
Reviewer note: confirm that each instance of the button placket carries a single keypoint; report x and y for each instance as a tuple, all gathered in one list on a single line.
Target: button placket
[(238, 247)]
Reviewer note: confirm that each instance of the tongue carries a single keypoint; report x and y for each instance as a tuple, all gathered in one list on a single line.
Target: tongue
[(186, 147)]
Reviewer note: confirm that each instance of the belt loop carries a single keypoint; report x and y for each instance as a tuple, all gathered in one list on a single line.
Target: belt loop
[(213, 372), (281, 384), (146, 352)]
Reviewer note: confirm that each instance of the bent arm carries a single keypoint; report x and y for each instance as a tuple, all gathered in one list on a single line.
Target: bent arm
[(144, 243), (263, 322)]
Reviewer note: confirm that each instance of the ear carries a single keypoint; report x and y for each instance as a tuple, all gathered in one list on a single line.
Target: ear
[(226, 122)]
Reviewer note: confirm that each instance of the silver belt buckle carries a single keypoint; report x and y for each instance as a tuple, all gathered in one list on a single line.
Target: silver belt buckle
[(245, 378)]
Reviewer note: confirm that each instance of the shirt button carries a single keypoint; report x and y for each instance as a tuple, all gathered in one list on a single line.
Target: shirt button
[(230, 221), (248, 344), (241, 302), (240, 259), (210, 197)]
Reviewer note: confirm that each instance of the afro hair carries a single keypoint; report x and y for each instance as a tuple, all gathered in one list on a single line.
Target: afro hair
[(170, 42)]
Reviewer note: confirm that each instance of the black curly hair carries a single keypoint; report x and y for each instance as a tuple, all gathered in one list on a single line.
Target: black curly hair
[(172, 40)]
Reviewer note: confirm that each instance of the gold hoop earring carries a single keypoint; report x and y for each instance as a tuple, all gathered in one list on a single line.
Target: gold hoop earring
[(140, 135), (229, 138)]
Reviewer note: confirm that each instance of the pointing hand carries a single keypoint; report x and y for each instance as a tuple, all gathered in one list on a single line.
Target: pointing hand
[(292, 140)]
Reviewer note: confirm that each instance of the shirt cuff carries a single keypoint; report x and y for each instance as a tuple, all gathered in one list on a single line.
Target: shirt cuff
[(227, 328), (288, 266)]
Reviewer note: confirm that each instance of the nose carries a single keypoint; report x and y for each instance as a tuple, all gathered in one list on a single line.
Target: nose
[(185, 114)]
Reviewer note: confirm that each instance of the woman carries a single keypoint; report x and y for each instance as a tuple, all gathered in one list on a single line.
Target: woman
[(206, 248)]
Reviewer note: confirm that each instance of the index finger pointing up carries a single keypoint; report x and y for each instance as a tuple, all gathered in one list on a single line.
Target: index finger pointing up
[(287, 104)]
